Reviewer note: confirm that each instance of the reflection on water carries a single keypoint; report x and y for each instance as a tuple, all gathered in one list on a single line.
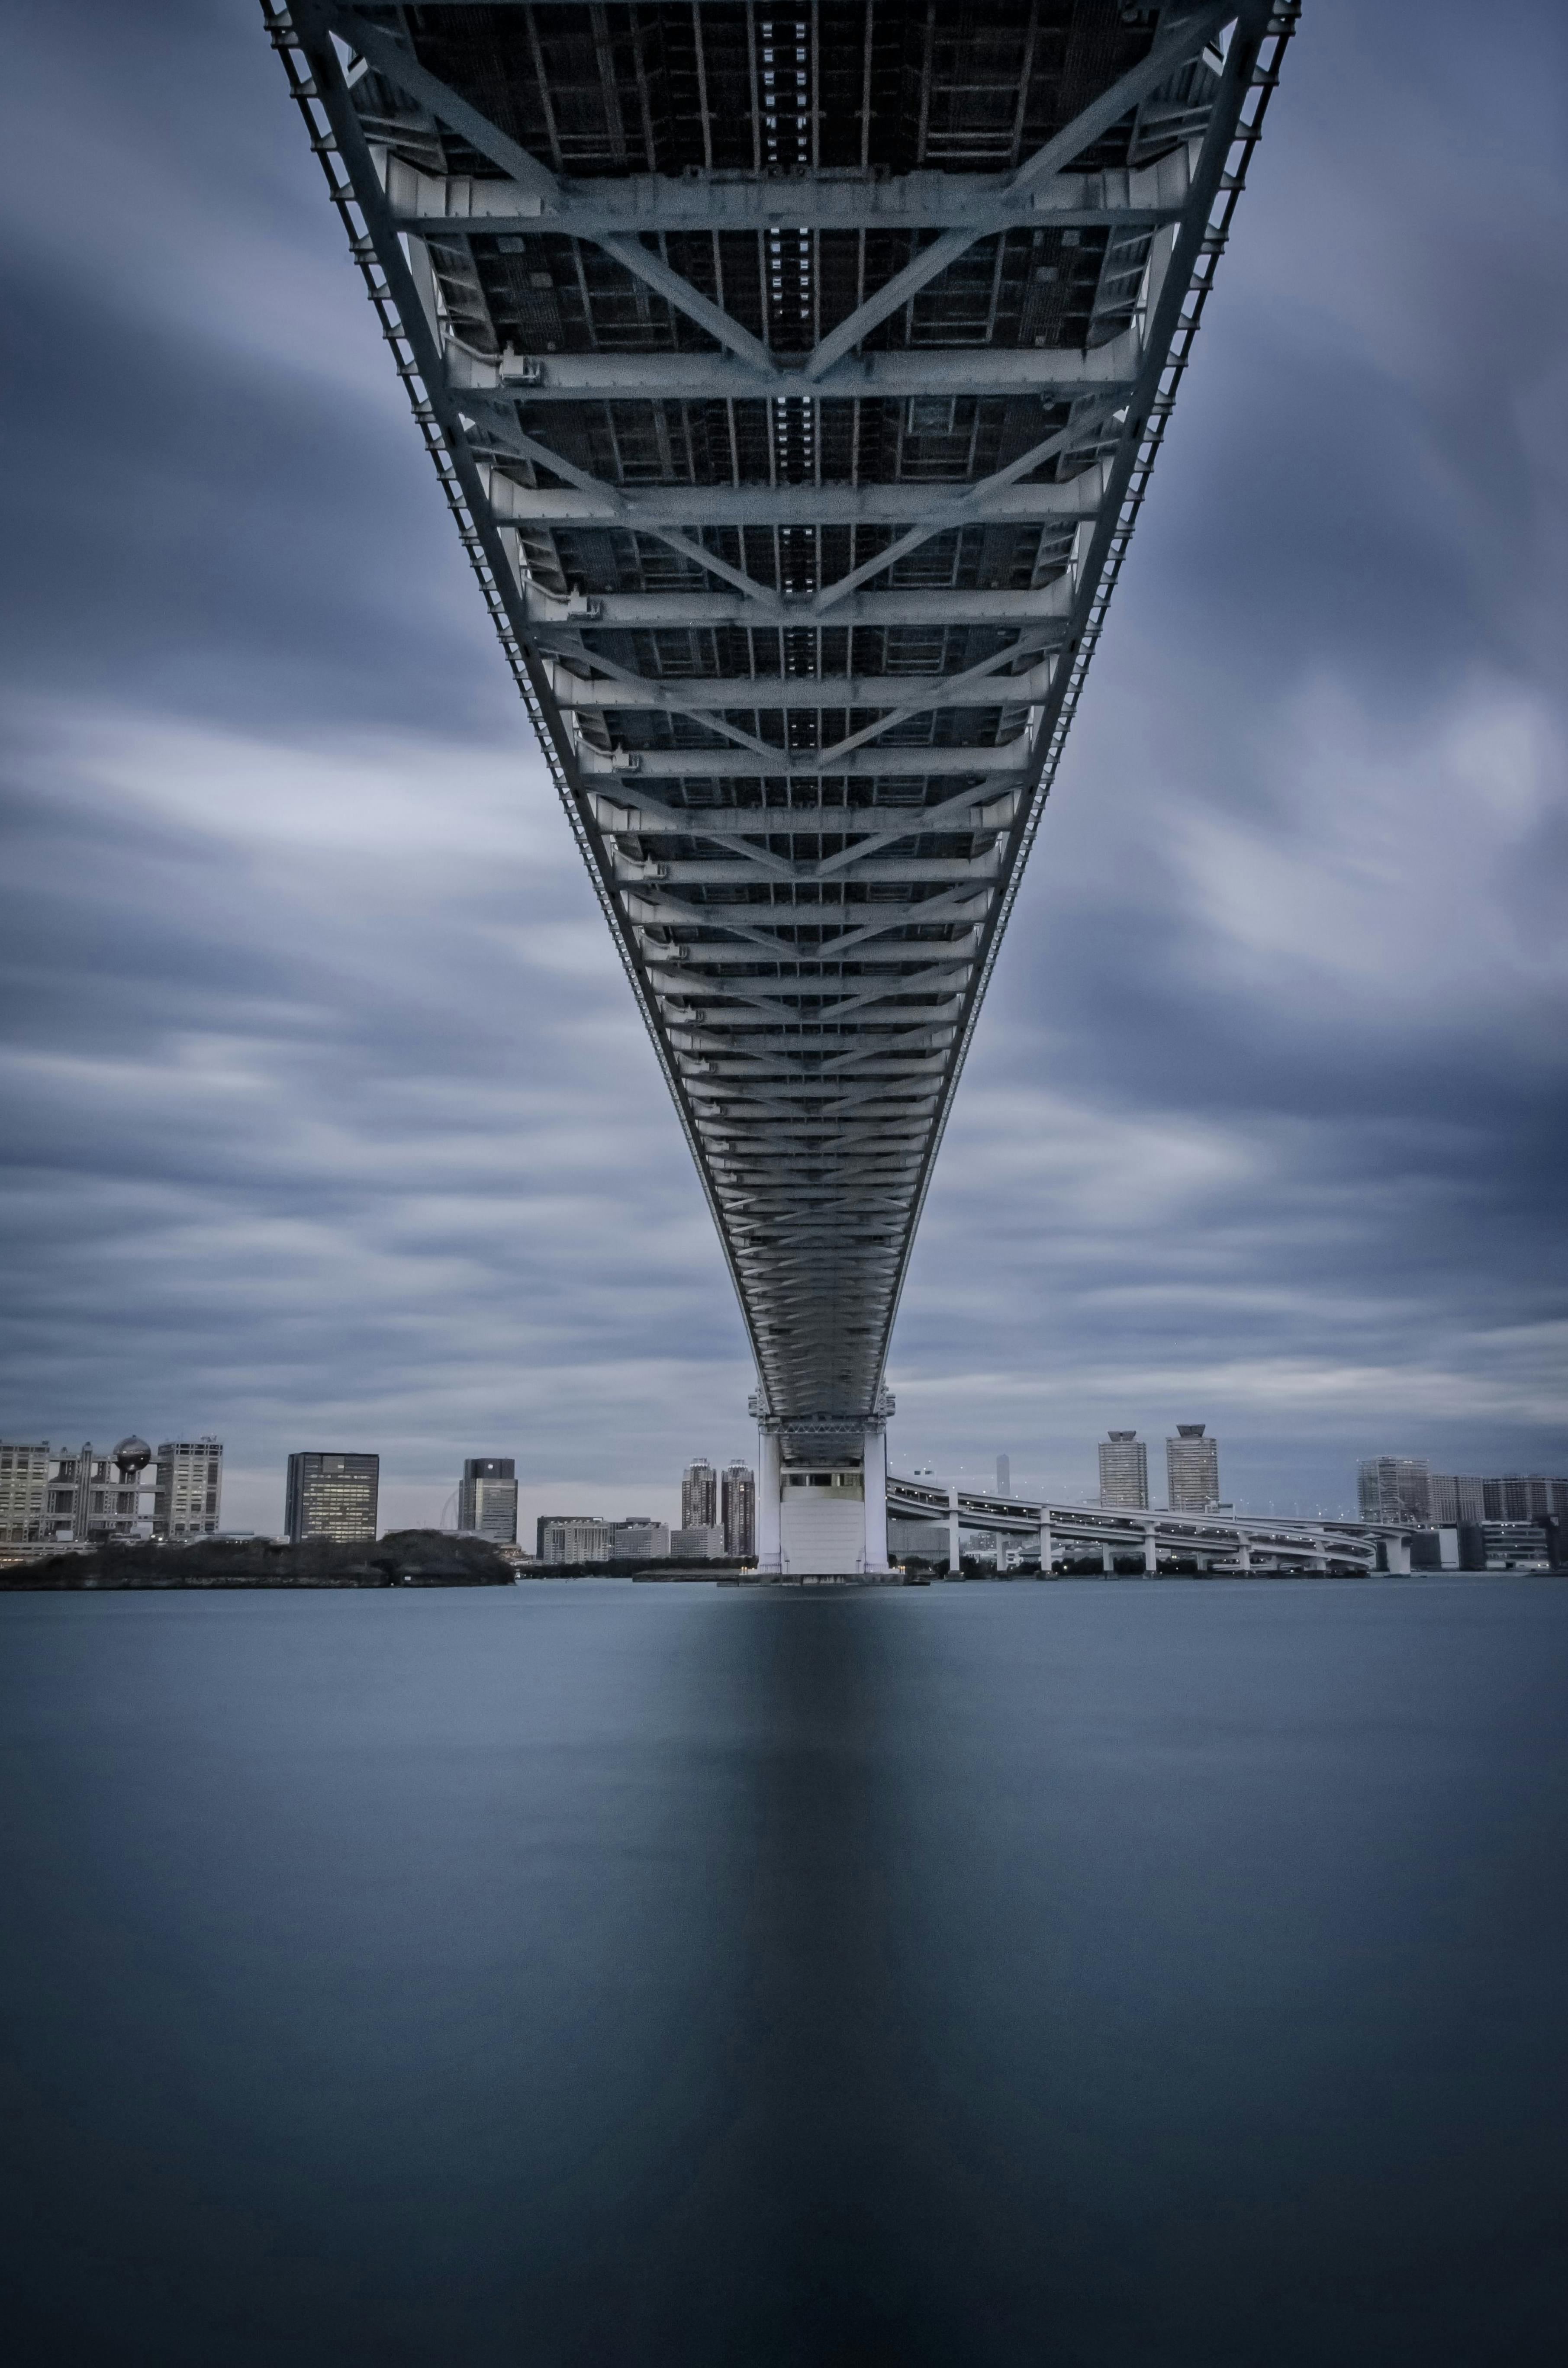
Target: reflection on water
[(595, 1974)]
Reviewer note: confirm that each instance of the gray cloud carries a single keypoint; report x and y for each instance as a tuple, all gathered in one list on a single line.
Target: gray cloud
[(331, 1117)]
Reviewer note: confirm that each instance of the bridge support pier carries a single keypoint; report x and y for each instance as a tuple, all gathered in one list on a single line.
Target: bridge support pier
[(1151, 1552), (1045, 1546), (1107, 1561), (770, 1485), (875, 1468), (955, 1552)]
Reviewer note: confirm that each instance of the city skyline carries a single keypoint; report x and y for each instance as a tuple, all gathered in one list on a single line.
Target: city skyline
[(1258, 1112), (1384, 1488)]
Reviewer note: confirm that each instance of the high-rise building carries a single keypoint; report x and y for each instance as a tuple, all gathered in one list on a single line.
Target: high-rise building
[(189, 1494), (487, 1500), (1124, 1470), (699, 1496), (24, 1493), (331, 1495), (739, 1509), (1192, 1470), (1394, 1488)]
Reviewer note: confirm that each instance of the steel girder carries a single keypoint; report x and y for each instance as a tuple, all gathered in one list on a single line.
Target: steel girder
[(796, 438)]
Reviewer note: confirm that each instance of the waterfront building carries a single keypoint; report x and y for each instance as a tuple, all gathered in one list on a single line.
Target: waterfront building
[(1394, 1488), (1523, 1497), (702, 1542), (1455, 1496), (92, 1495), (699, 1496), (487, 1499), (1192, 1470), (1471, 1498), (187, 1498), (738, 1507), (640, 1538), (1514, 1545), (1124, 1470), (331, 1495), (918, 1541), (575, 1537), (24, 1492), (80, 1494)]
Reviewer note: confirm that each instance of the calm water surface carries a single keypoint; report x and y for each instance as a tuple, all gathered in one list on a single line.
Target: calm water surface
[(1104, 1975)]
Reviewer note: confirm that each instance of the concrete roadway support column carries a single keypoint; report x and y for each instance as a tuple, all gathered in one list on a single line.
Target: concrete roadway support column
[(1397, 1551), (1150, 1551), (955, 1555), (1045, 1545), (1107, 1561), (770, 1486), (876, 1482), (1243, 1556)]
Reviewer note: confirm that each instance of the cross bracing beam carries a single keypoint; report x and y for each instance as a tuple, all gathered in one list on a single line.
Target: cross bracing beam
[(808, 507), (600, 766), (662, 611), (702, 401), (437, 205), (1048, 375), (630, 809), (693, 692)]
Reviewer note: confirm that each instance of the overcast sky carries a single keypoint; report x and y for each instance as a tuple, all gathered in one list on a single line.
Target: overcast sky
[(331, 1122)]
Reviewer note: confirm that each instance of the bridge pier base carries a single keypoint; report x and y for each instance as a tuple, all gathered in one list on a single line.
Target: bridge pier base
[(1107, 1562), (1151, 1552), (1045, 1549)]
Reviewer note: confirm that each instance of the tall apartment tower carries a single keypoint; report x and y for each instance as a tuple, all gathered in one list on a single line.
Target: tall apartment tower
[(188, 1500), (333, 1497), (699, 1496), (1124, 1470), (1192, 1470), (739, 1495), (1394, 1488), (487, 1501)]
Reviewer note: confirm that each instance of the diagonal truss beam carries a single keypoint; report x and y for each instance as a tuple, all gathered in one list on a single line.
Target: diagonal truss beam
[(1170, 51)]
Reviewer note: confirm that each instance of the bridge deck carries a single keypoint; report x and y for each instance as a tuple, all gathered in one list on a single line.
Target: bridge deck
[(794, 376)]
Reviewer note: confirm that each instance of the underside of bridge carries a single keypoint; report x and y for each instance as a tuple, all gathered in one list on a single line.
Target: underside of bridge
[(794, 375)]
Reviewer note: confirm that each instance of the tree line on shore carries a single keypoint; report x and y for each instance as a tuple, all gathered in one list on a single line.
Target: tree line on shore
[(424, 1557)]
